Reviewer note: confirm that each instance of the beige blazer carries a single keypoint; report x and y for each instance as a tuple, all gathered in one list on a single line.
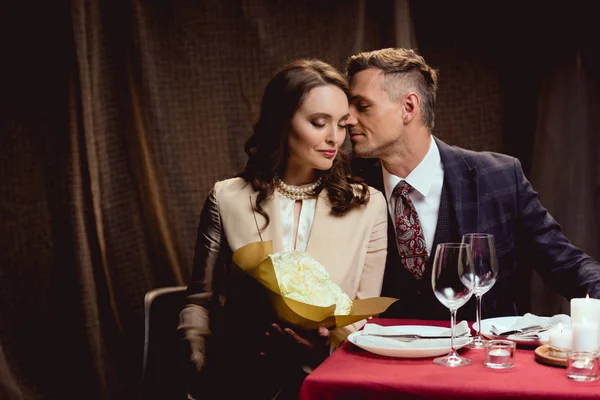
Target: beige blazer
[(352, 248)]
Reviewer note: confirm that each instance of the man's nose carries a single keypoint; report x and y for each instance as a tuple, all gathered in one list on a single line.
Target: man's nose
[(351, 120)]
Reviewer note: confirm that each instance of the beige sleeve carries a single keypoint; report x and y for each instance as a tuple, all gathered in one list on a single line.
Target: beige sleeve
[(371, 280)]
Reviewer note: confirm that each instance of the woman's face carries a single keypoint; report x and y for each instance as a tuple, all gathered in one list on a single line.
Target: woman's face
[(318, 129)]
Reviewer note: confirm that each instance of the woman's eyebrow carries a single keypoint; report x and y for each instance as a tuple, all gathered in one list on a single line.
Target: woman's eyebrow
[(320, 115)]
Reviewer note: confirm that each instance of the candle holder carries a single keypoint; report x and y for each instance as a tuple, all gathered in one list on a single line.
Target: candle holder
[(583, 366), (558, 352), (499, 354), (560, 338)]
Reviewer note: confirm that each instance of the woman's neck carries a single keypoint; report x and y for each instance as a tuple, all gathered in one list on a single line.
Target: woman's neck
[(299, 178)]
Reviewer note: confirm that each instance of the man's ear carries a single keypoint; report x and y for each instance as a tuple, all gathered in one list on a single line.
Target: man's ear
[(410, 106)]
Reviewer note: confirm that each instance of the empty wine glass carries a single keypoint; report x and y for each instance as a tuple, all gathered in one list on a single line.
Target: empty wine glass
[(452, 282), (485, 272)]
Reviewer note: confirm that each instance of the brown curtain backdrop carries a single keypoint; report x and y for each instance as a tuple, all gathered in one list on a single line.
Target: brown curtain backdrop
[(117, 117), (565, 166)]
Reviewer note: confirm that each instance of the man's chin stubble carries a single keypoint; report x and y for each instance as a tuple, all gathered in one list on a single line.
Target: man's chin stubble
[(362, 153)]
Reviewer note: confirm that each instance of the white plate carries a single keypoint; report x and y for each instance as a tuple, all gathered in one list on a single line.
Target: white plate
[(416, 349), (507, 322)]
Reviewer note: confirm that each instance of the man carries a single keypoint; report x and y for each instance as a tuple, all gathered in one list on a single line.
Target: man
[(436, 193)]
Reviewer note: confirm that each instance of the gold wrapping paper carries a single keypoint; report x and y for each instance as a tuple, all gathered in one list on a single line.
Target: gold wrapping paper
[(254, 259)]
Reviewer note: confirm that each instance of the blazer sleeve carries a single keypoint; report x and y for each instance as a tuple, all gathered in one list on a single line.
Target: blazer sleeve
[(563, 266), (194, 318), (371, 279)]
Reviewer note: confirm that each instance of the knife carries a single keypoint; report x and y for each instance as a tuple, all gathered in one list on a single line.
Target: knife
[(412, 336)]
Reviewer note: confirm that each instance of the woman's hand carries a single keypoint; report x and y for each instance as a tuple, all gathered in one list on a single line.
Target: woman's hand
[(197, 351), (308, 347)]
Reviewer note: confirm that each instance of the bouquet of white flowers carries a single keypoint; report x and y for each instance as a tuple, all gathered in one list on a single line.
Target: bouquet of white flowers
[(301, 277), (302, 291)]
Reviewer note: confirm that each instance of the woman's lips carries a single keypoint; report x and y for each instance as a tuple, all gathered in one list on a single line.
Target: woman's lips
[(328, 153)]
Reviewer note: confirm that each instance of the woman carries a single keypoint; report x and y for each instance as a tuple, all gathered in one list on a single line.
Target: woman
[(296, 191)]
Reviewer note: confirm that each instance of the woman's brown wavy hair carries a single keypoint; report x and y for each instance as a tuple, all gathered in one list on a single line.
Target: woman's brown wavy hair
[(267, 148)]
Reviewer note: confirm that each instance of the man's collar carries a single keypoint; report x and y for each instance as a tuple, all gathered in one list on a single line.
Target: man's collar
[(419, 178)]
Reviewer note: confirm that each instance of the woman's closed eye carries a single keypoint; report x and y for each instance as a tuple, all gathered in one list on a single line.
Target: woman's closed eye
[(318, 124)]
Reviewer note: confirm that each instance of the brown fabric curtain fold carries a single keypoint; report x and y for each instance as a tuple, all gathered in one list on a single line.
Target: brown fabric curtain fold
[(118, 116)]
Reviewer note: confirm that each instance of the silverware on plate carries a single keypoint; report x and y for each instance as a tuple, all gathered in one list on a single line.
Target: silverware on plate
[(527, 331), (407, 337)]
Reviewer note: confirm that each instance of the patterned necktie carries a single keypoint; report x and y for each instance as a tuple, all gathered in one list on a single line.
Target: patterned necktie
[(409, 234)]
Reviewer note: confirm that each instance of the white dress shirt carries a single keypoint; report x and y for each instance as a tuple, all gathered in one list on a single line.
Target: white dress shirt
[(307, 215), (427, 180)]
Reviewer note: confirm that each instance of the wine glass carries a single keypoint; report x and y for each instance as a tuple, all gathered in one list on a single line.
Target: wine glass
[(452, 282), (485, 271)]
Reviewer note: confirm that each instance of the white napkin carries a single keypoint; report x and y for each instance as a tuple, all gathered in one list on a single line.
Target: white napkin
[(529, 319), (389, 342)]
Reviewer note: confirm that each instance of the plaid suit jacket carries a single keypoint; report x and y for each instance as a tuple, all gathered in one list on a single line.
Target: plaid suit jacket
[(490, 193)]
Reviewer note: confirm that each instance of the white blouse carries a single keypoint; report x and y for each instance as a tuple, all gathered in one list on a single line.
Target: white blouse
[(307, 215)]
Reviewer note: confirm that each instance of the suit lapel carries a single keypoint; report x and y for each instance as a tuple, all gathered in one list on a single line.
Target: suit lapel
[(459, 175), (273, 230), (461, 179)]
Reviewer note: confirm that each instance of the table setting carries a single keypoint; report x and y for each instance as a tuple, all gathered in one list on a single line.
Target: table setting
[(526, 330), (552, 357), (388, 340)]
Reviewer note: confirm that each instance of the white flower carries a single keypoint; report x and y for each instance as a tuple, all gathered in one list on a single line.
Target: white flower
[(304, 279)]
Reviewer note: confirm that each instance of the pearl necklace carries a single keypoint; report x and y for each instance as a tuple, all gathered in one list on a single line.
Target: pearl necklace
[(296, 192)]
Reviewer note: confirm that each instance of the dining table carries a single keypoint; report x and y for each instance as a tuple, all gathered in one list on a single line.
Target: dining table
[(353, 373)]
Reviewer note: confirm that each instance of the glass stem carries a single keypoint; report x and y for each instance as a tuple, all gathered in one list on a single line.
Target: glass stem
[(478, 302), (452, 328)]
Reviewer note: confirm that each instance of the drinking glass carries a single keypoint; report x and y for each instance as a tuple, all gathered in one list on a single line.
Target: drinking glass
[(485, 272), (452, 282)]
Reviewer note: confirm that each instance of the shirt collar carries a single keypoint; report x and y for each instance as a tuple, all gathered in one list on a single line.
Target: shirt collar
[(420, 178)]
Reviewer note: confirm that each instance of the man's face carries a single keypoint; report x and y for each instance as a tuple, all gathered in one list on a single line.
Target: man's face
[(379, 119)]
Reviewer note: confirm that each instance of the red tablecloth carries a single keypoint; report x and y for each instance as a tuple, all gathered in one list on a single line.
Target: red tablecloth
[(353, 373)]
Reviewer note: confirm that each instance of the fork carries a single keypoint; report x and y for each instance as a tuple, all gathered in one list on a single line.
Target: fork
[(528, 331)]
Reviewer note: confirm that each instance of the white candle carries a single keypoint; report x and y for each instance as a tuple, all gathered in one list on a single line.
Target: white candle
[(585, 335), (587, 364), (586, 308), (499, 352), (560, 337), (499, 356)]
